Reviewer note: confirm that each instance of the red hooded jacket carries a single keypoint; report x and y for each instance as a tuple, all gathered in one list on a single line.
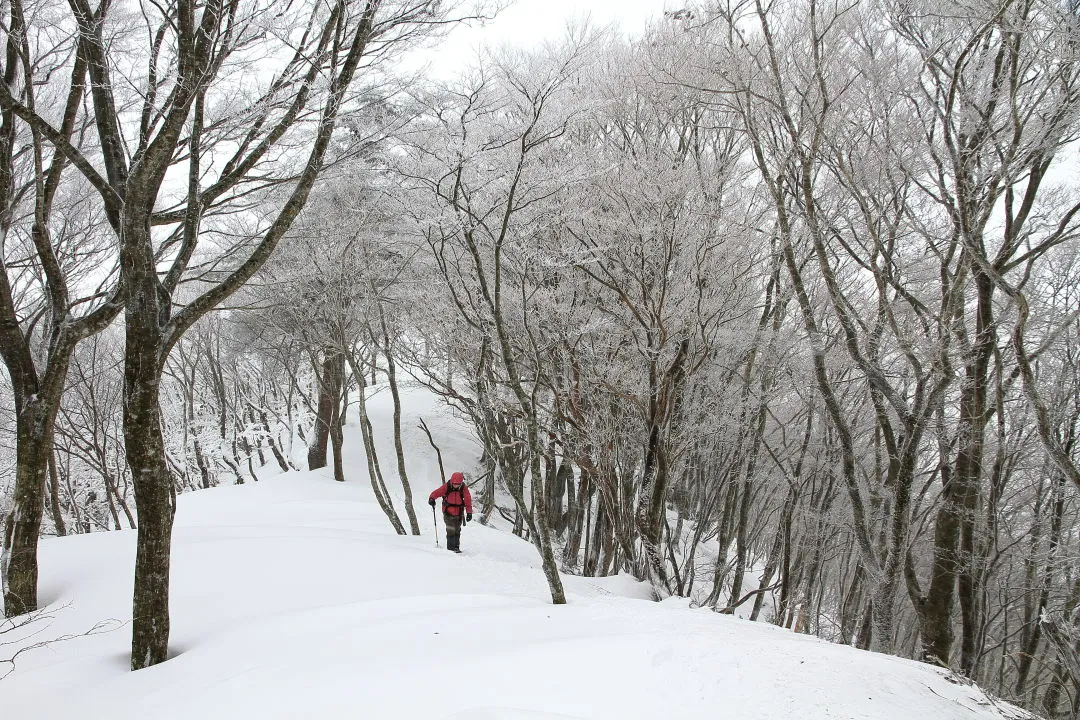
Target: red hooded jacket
[(455, 495)]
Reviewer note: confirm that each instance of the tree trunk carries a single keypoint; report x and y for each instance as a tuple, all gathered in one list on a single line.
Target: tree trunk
[(200, 461), (593, 518), (272, 442), (775, 553), (609, 548), (1030, 643), (145, 448), (330, 379), (579, 500), (337, 440), (723, 541), (54, 497), (954, 529), (378, 487), (849, 609), (565, 478), (21, 565), (155, 500), (554, 486), (118, 499), (884, 616), (36, 405), (391, 374), (741, 546), (665, 396), (653, 489)]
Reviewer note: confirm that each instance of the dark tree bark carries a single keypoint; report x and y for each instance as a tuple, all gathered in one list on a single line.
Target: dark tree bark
[(579, 512), (665, 389), (336, 435), (1031, 642), (330, 380), (20, 567), (399, 451), (54, 497), (154, 493), (745, 496), (270, 439), (954, 550)]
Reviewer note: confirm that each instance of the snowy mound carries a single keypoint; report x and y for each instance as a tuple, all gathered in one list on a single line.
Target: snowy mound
[(292, 598)]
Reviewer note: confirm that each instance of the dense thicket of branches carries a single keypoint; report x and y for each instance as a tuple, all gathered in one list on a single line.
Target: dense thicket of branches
[(775, 307)]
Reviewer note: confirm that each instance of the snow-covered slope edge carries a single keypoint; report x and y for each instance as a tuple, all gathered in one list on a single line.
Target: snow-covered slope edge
[(292, 598)]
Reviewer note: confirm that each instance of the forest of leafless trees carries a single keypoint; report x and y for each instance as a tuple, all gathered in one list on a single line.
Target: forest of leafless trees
[(775, 307)]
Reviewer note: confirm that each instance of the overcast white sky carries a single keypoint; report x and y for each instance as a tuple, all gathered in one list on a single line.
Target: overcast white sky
[(528, 23)]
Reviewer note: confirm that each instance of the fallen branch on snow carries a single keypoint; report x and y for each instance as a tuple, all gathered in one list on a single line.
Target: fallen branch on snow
[(43, 618)]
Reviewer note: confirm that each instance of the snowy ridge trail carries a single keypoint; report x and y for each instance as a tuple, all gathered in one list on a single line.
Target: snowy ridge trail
[(292, 598)]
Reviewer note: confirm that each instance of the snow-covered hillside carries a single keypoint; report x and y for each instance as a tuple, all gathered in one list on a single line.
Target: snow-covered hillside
[(292, 598)]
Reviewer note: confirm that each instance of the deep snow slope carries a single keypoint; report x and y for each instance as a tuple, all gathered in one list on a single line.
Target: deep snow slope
[(292, 598)]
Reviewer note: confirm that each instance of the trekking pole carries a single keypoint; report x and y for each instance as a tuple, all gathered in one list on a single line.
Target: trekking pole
[(435, 520)]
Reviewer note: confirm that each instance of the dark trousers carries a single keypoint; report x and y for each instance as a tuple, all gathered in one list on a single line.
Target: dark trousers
[(453, 530)]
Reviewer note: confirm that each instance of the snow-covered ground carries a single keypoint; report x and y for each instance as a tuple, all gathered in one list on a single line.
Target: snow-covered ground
[(292, 598)]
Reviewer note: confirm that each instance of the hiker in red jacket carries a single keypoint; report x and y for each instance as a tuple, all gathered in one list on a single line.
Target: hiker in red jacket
[(457, 501)]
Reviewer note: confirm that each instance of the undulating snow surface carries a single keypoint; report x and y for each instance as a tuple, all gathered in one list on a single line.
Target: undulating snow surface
[(293, 598)]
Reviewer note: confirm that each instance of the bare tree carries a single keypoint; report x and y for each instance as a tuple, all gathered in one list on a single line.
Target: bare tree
[(43, 296)]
